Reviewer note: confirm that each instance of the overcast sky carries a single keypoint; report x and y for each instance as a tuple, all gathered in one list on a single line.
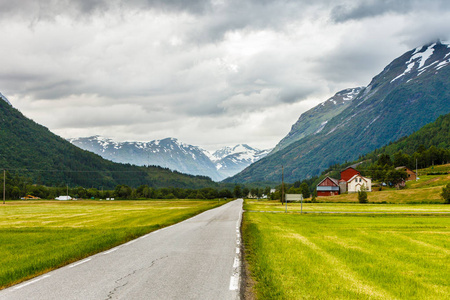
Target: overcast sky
[(210, 73)]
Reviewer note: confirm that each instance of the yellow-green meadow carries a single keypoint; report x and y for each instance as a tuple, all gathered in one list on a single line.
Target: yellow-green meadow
[(37, 236), (342, 256)]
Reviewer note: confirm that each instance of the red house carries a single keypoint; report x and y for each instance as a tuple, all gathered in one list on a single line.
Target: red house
[(348, 173), (328, 187)]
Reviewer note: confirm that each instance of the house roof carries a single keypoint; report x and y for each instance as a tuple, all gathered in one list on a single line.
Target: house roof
[(403, 167), (350, 168), (335, 181), (358, 175)]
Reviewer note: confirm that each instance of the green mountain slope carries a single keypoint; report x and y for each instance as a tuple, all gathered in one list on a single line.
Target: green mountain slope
[(315, 119), (410, 92), (435, 134), (31, 150)]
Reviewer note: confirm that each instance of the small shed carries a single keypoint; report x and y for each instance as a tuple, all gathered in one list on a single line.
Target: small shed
[(328, 187)]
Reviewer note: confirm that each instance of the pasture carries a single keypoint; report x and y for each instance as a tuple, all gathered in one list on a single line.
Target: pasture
[(38, 236), (348, 256)]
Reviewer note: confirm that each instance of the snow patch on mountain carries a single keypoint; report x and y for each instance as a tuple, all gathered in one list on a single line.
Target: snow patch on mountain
[(175, 155), (423, 59)]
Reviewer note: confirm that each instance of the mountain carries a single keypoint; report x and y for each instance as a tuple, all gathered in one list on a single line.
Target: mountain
[(231, 160), (4, 99), (412, 91), (175, 155), (435, 134), (31, 150), (167, 153), (314, 120)]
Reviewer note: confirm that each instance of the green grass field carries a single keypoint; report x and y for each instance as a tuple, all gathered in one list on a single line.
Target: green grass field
[(395, 247), (276, 206), (293, 256), (38, 236)]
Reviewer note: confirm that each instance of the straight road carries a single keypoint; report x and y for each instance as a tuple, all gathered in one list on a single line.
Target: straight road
[(195, 259)]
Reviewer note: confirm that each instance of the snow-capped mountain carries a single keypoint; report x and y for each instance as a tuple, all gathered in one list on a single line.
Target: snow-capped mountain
[(410, 92), (314, 120), (5, 99), (231, 160), (173, 154)]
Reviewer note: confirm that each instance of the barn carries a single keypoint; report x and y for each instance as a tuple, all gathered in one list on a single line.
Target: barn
[(328, 187)]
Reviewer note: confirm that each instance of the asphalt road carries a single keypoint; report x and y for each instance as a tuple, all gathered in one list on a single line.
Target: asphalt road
[(195, 259)]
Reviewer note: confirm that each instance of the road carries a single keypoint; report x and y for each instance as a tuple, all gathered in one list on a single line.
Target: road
[(195, 259)]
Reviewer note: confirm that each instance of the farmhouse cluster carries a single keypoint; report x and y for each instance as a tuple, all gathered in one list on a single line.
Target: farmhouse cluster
[(351, 181)]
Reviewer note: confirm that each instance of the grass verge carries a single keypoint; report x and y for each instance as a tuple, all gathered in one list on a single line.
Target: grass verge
[(36, 237)]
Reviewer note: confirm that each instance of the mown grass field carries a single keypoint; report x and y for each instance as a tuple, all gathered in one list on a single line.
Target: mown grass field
[(293, 256), (38, 236), (276, 206)]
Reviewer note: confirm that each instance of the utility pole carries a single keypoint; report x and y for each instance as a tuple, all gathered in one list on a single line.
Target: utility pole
[(4, 186), (417, 174), (282, 189)]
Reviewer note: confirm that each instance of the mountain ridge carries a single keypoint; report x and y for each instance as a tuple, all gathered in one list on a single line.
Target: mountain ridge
[(175, 155), (410, 92)]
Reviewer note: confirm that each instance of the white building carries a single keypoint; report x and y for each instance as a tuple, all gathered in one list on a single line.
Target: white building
[(63, 198), (357, 181)]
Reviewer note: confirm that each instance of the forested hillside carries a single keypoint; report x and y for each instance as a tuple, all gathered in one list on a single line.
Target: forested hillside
[(427, 147), (31, 150)]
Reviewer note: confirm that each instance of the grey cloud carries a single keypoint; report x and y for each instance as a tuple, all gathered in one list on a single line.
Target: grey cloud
[(48, 9), (371, 8)]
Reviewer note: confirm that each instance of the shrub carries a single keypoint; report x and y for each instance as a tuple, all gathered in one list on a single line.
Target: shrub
[(362, 195), (446, 193)]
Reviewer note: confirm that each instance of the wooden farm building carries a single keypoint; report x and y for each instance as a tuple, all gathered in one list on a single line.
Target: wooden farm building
[(411, 175), (328, 187)]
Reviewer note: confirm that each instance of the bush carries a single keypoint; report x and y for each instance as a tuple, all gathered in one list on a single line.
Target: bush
[(362, 196), (446, 193)]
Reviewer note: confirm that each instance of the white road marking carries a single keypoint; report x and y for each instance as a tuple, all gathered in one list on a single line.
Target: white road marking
[(234, 279), (236, 263), (33, 281), (109, 251), (80, 262), (131, 242), (234, 282)]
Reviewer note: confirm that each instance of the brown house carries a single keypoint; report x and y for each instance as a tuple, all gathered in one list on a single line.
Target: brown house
[(411, 175), (328, 187)]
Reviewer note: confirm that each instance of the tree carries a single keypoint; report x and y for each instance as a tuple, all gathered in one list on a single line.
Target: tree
[(395, 177), (305, 190), (237, 192), (384, 159), (362, 195), (446, 193), (245, 191)]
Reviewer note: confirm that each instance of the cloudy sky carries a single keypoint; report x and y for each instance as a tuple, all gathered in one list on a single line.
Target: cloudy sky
[(210, 73)]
